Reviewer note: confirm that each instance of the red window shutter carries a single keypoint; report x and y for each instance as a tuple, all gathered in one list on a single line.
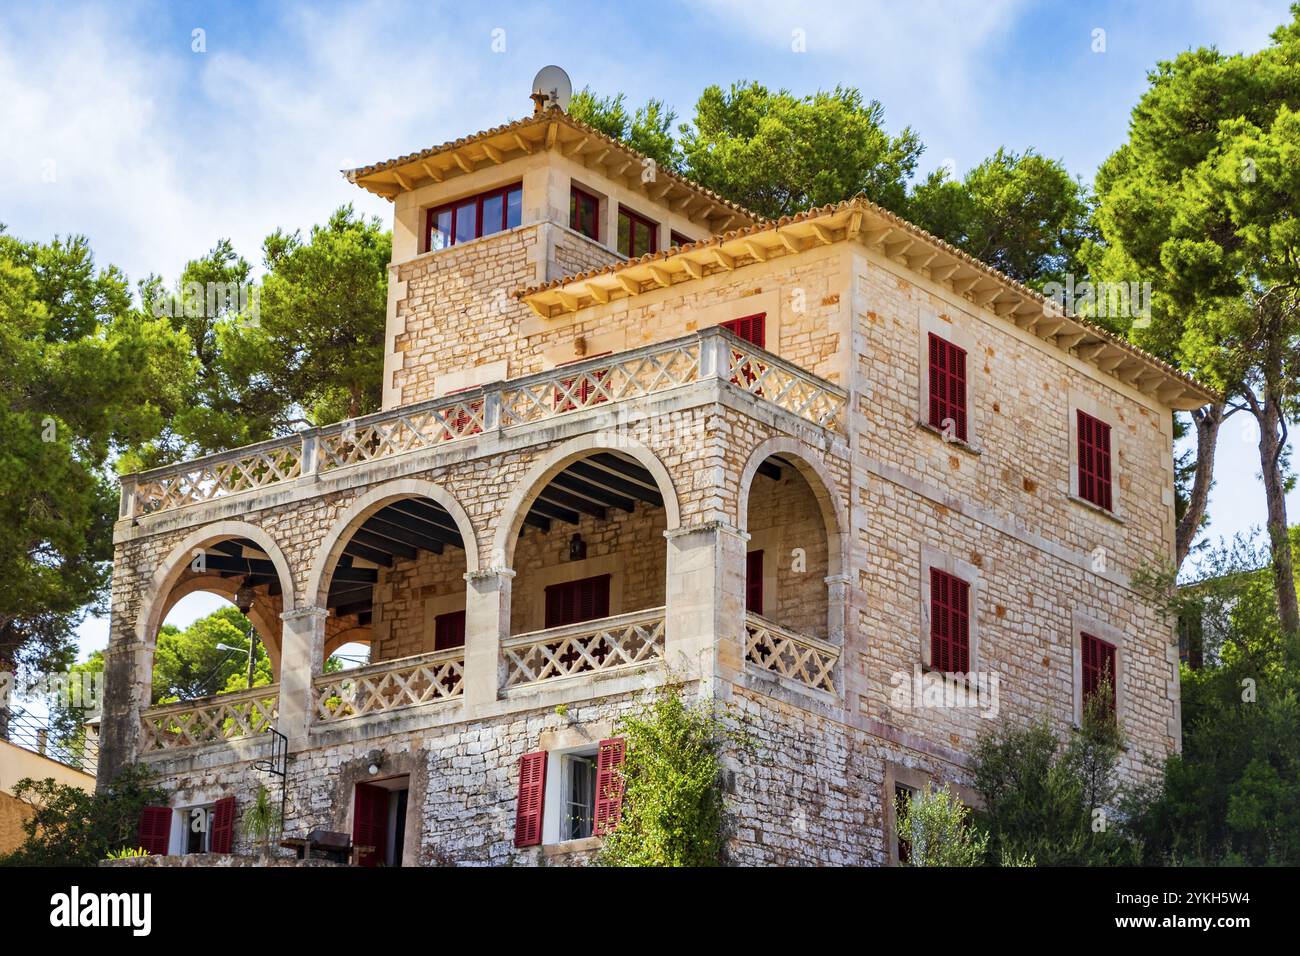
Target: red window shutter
[(949, 623), (1094, 461), (947, 385), (223, 826), (370, 824), (609, 785), (754, 582), (1098, 660), (155, 831), (532, 793), (574, 601), (449, 630), (751, 328)]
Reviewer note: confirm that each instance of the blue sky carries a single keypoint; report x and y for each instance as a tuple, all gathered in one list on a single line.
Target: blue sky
[(112, 125)]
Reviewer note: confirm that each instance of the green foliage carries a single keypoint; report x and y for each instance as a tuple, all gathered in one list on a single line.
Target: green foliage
[(261, 819), (127, 853), (673, 803), (1230, 796), (648, 130), (778, 154), (1021, 213), (1048, 804), (936, 825), (72, 827), (187, 664), (83, 376)]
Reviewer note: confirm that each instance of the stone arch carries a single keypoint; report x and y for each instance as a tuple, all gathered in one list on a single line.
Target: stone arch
[(366, 505), (510, 518), (158, 598)]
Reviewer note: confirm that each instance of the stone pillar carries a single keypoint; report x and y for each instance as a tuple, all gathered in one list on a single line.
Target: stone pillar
[(704, 633), (302, 657), (119, 722), (487, 621), (837, 589)]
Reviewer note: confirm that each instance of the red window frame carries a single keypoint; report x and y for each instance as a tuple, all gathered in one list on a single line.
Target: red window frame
[(949, 623), (582, 202), (454, 208), (1098, 661), (677, 239), (947, 385), (751, 328), (572, 602), (634, 220), (223, 826), (609, 785), (1094, 461), (754, 582), (532, 796), (155, 830), (449, 630)]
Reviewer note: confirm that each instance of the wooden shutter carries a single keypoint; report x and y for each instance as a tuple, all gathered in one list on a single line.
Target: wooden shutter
[(532, 794), (751, 328), (223, 826), (1094, 461), (947, 385), (449, 630), (574, 601), (155, 831), (754, 582), (949, 623), (1098, 660), (609, 785), (370, 824)]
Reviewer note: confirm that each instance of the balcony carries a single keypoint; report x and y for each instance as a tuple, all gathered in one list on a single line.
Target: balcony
[(637, 373), (208, 720)]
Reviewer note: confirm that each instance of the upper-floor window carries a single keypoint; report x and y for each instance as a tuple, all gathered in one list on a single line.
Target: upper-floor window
[(584, 213), (575, 601), (949, 623), (751, 328), (637, 235), (754, 582), (449, 630), (1098, 667), (474, 216), (1094, 461), (679, 240), (947, 387)]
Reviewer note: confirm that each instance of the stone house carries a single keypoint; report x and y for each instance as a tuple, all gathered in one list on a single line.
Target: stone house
[(632, 432)]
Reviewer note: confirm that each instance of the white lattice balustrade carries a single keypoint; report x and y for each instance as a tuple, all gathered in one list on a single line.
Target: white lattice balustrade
[(390, 685), (602, 645), (808, 661), (210, 719)]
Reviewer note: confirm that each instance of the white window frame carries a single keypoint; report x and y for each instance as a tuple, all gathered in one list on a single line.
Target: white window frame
[(555, 801)]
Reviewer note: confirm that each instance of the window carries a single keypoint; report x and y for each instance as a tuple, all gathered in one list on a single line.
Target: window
[(449, 630), (679, 240), (949, 623), (1098, 660), (751, 328), (754, 582), (584, 213), (575, 601), (947, 386), (578, 779), (474, 216), (1094, 460), (637, 235), (531, 802), (902, 848)]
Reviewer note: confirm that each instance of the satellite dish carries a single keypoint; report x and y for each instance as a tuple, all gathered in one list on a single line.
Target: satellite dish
[(552, 87)]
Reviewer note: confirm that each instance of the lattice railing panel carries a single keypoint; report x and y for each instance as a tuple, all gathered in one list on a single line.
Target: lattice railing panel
[(218, 477), (789, 388), (793, 656), (641, 373), (390, 685), (400, 432), (212, 719), (591, 646)]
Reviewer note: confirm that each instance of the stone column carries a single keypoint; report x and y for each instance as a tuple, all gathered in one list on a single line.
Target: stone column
[(837, 589), (487, 621), (705, 599), (302, 657), (119, 724)]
